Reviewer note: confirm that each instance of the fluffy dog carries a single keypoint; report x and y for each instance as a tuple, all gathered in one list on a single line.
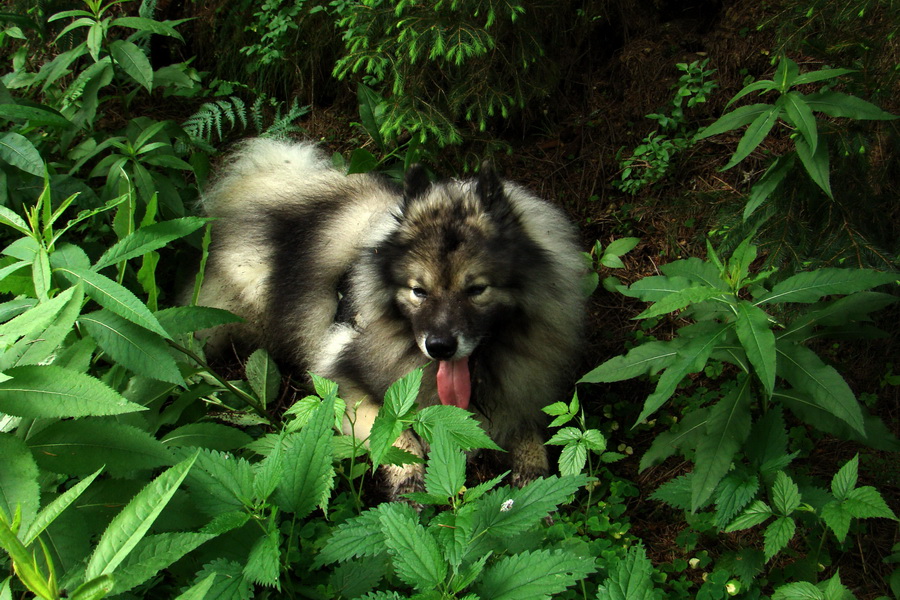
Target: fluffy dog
[(361, 281)]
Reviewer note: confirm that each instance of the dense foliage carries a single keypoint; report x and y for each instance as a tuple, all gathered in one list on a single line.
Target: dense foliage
[(133, 468)]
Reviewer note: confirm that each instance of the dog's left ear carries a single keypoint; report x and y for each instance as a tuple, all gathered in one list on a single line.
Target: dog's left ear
[(415, 183), (490, 191)]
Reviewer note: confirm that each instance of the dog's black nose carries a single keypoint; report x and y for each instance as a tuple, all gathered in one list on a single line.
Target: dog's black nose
[(441, 347)]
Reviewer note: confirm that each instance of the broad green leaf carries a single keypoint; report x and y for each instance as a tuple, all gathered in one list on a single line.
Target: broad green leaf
[(460, 424), (18, 151), (132, 523), (229, 582), (25, 563), (837, 517), (47, 392), (361, 161), (735, 491), (843, 311), (525, 506), (308, 472), (262, 566), (675, 492), (845, 479), (752, 516), (153, 554), (35, 319), (11, 219), (629, 578), (807, 373), (652, 289), (687, 433), (785, 494), (370, 114), (810, 286), (621, 246), (225, 481), (758, 340), (35, 114), (414, 551), (114, 297), (692, 357), (798, 114), (200, 590), (726, 430), (50, 512), (133, 61), (81, 447), (572, 458), (681, 299), (40, 274), (18, 480), (865, 502), (146, 239), (755, 134), (401, 395), (768, 439), (786, 74), (734, 120), (838, 104), (359, 536), (38, 346), (187, 319), (94, 589), (207, 435), (131, 346), (446, 470), (820, 75), (385, 431), (777, 535), (696, 270), (649, 357), (144, 24), (263, 376), (533, 575), (800, 590), (768, 183), (816, 163)]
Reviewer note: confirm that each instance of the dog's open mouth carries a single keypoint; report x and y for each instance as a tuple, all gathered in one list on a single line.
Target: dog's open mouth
[(454, 384)]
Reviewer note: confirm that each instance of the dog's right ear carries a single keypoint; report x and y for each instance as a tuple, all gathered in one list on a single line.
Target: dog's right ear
[(415, 183)]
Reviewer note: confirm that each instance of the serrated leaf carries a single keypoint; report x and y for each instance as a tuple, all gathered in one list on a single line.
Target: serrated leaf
[(308, 472), (263, 562), (36, 114), (758, 340), (19, 490), (445, 474), (810, 286), (735, 491), (768, 183), (800, 590), (785, 494), (48, 391), (95, 589), (657, 287), (354, 578), (675, 492), (114, 297), (401, 395), (768, 440), (533, 575), (18, 151), (358, 537), (226, 480), (630, 578), (696, 270), (148, 238), (151, 25), (816, 162), (153, 554), (865, 502), (685, 434), (206, 435), (131, 524), (845, 479), (726, 430), (38, 345), (529, 504), (229, 582), (459, 423), (752, 516), (572, 458), (83, 446), (822, 383), (133, 62), (854, 308), (131, 346), (777, 535), (837, 518), (649, 357), (50, 512), (415, 553)]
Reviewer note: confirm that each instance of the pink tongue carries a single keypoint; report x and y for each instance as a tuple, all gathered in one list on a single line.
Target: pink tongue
[(453, 382)]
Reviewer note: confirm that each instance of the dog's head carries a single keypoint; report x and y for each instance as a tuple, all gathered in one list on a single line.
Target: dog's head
[(454, 263)]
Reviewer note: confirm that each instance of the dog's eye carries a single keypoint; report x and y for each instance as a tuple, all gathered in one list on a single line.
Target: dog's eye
[(419, 292), (475, 290)]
